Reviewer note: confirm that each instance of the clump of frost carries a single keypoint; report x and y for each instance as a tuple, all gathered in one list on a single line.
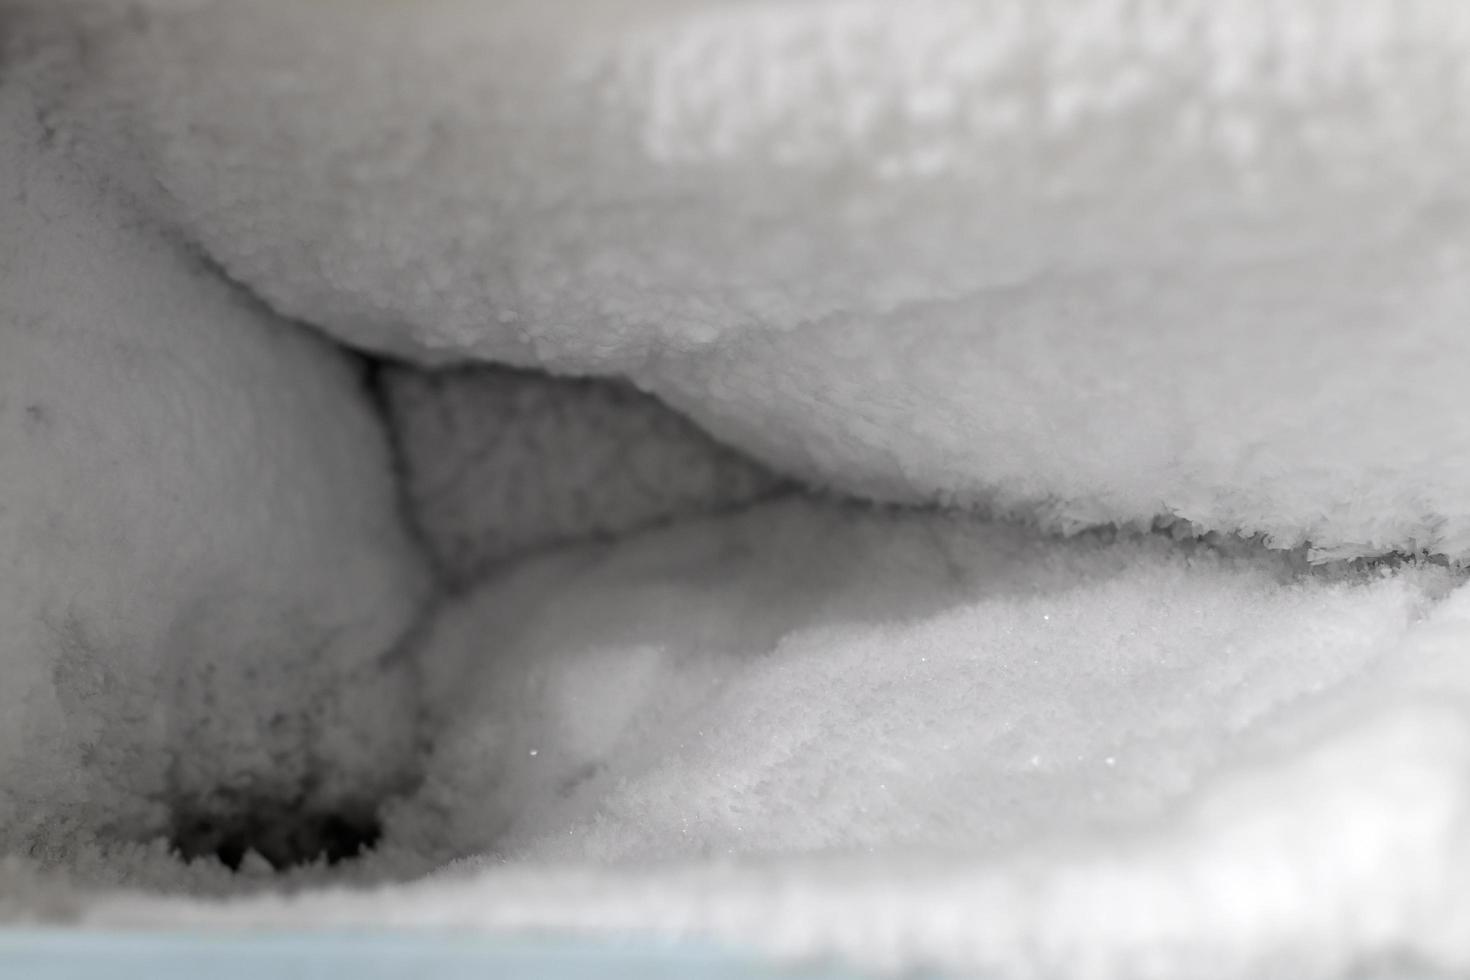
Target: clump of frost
[(1094, 264), (932, 742), (202, 567)]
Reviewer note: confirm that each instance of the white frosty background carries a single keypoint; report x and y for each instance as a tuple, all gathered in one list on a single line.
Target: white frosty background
[(1167, 302)]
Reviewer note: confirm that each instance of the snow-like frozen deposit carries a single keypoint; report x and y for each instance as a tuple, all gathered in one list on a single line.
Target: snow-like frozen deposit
[(931, 741), (971, 684), (203, 572), (1185, 280), (1075, 260)]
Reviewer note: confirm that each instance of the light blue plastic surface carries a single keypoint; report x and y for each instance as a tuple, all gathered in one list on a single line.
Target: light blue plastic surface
[(88, 955)]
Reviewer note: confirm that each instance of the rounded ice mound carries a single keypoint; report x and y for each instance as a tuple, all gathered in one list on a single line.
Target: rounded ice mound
[(204, 575), (1090, 260)]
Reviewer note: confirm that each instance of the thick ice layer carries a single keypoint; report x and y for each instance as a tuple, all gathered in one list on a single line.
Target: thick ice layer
[(1086, 260), (202, 569), (930, 741)]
